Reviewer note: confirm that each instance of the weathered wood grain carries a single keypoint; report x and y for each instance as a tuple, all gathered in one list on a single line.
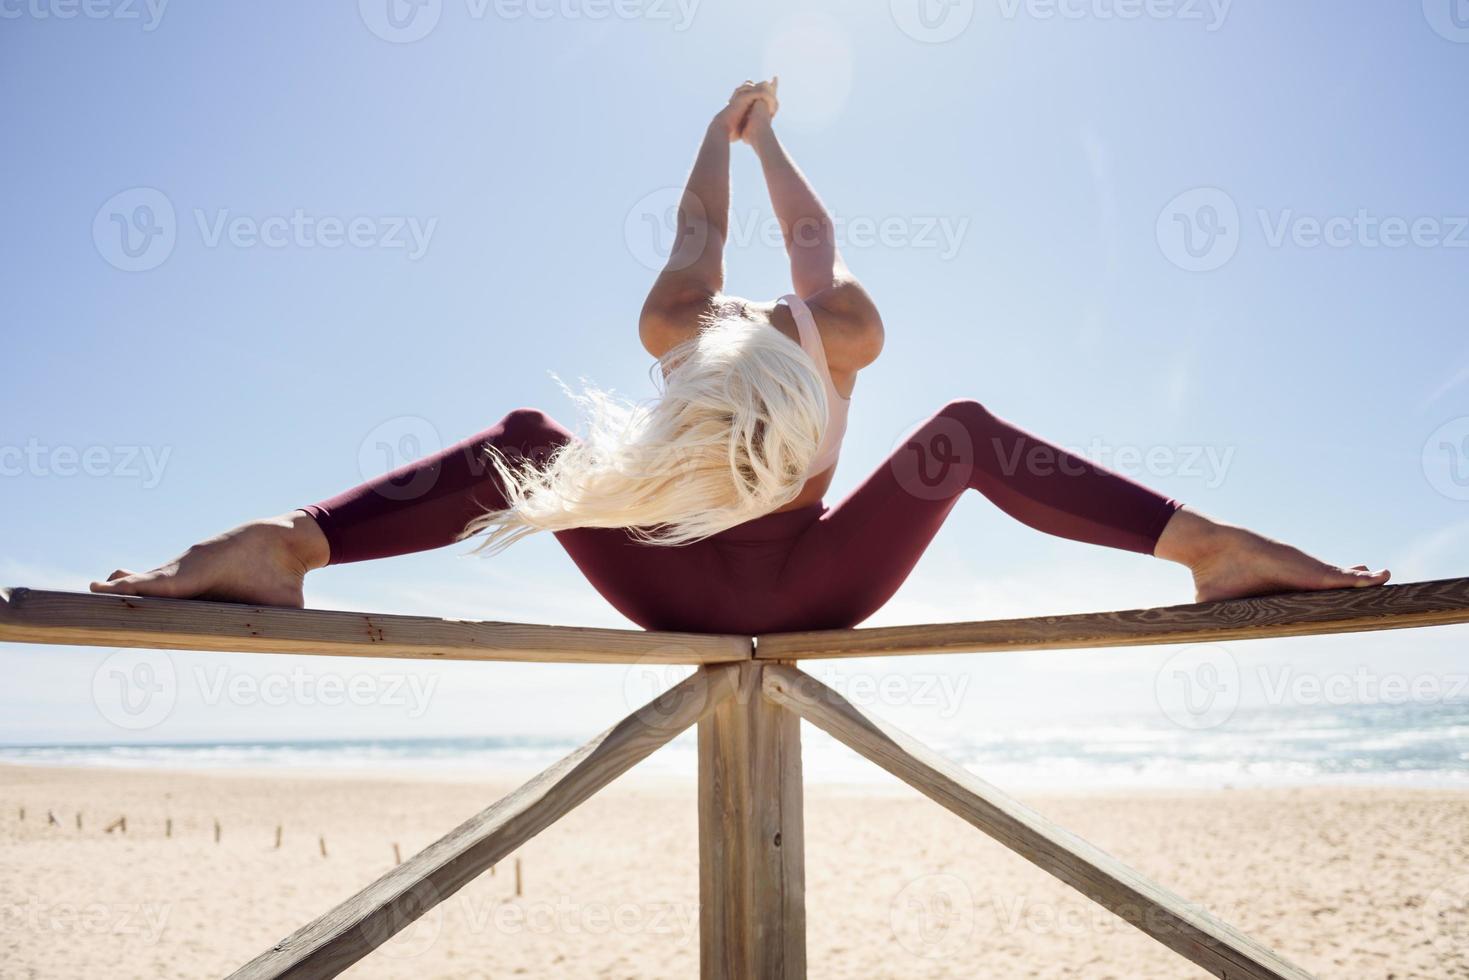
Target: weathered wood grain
[(1179, 925), (1388, 607), (368, 919), (752, 877), (35, 616)]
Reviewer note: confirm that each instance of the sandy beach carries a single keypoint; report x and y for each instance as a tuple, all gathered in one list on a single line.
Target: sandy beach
[(1345, 882)]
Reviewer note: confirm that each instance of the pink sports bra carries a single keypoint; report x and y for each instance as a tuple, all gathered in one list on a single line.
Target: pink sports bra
[(836, 424)]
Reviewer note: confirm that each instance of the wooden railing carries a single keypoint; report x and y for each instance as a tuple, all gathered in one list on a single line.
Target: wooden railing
[(747, 698)]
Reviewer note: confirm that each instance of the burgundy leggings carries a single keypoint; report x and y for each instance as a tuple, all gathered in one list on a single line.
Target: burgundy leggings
[(815, 567)]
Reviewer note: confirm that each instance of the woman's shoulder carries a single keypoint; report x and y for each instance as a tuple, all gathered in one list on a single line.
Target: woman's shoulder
[(851, 327)]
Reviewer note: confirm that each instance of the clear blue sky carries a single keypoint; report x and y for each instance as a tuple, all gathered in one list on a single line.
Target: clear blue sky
[(1023, 169)]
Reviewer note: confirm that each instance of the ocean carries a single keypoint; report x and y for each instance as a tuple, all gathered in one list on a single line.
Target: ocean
[(1404, 744)]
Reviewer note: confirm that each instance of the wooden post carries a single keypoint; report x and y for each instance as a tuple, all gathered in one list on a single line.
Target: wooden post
[(752, 872)]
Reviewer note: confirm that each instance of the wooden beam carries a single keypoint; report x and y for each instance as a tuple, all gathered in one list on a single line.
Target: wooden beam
[(752, 877), (1387, 607), (368, 919), (1180, 926), (36, 616)]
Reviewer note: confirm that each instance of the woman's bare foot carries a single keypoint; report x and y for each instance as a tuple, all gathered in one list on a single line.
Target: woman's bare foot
[(1230, 562), (264, 562)]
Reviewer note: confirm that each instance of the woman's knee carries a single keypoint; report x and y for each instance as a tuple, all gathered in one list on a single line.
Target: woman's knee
[(529, 432), (966, 410)]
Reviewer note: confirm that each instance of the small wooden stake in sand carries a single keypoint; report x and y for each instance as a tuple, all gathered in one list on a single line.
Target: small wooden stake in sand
[(51, 820), (168, 827), (22, 814), (218, 830), (322, 841), (397, 854), (278, 831), (121, 823), (79, 821), (517, 877)]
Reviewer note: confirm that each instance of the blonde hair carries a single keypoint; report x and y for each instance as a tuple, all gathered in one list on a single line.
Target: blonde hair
[(740, 415)]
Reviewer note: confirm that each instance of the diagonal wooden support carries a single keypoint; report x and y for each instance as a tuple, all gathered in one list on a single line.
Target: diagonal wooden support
[(752, 868), (38, 616), (374, 915), (1182, 927), (1388, 607)]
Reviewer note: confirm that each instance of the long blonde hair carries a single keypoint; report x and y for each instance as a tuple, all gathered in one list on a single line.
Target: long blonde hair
[(739, 418)]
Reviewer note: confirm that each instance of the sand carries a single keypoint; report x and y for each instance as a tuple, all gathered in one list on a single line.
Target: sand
[(1345, 882)]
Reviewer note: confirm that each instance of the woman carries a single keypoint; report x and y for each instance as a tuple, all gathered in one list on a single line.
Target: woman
[(704, 510)]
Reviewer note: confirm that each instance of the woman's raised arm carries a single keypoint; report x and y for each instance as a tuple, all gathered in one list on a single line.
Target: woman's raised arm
[(694, 273), (818, 272)]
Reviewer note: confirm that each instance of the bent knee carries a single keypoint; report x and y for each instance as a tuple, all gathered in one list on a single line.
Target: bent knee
[(965, 409), (530, 431)]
